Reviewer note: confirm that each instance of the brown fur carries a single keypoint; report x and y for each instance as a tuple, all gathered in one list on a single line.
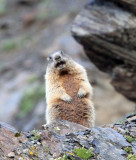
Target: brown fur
[(81, 110), (77, 111)]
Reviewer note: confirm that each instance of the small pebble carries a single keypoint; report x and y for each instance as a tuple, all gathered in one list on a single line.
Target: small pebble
[(38, 143), (25, 150), (11, 155)]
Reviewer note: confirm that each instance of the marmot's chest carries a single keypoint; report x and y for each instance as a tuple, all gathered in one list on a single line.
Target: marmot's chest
[(70, 84)]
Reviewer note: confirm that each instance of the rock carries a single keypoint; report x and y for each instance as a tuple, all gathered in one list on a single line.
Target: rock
[(132, 119), (25, 150), (109, 144), (61, 138), (7, 126), (8, 140), (127, 5), (65, 127), (11, 94), (26, 2), (107, 31), (5, 25), (29, 19), (11, 155)]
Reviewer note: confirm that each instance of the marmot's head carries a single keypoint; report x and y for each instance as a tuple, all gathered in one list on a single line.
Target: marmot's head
[(58, 60)]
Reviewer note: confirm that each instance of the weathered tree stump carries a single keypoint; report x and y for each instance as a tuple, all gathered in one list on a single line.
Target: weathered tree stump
[(107, 31)]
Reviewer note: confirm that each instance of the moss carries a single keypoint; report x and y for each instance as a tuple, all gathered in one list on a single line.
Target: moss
[(46, 149), (65, 157), (121, 121), (57, 129), (83, 153), (18, 134), (132, 113), (129, 139), (128, 150), (36, 135), (30, 99), (131, 157)]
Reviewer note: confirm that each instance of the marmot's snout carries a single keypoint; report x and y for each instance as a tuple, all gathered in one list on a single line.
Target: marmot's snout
[(57, 58)]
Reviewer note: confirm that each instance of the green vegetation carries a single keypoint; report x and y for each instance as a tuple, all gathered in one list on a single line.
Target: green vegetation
[(12, 44), (18, 134), (132, 113), (31, 97), (131, 157), (121, 121), (129, 139), (32, 79), (128, 149), (36, 135), (46, 149), (65, 157), (2, 66), (57, 129), (83, 153), (8, 45), (45, 12), (46, 3), (3, 7)]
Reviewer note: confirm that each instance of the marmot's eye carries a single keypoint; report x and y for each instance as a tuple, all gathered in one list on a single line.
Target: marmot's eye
[(49, 58)]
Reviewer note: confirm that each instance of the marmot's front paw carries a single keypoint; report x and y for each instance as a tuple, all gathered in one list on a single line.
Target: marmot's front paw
[(81, 93), (66, 98)]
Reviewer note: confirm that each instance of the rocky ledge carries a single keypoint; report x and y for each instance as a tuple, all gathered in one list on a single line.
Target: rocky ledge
[(64, 140), (107, 31)]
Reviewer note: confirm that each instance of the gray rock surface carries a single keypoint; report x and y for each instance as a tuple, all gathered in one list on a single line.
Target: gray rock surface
[(107, 31), (61, 138)]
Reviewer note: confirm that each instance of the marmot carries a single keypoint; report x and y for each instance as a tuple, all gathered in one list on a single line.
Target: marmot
[(68, 91)]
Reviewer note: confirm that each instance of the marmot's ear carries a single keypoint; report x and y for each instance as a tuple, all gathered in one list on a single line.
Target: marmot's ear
[(62, 53), (49, 58)]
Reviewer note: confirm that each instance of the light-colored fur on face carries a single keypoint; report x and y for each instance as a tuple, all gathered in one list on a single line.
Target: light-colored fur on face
[(68, 91)]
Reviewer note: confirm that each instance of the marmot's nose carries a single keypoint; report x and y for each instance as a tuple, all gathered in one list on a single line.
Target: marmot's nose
[(57, 58)]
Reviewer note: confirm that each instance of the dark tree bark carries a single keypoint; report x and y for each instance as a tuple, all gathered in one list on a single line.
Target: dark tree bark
[(107, 31)]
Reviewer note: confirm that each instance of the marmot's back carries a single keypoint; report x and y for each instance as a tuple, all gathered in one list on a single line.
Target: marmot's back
[(69, 92)]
